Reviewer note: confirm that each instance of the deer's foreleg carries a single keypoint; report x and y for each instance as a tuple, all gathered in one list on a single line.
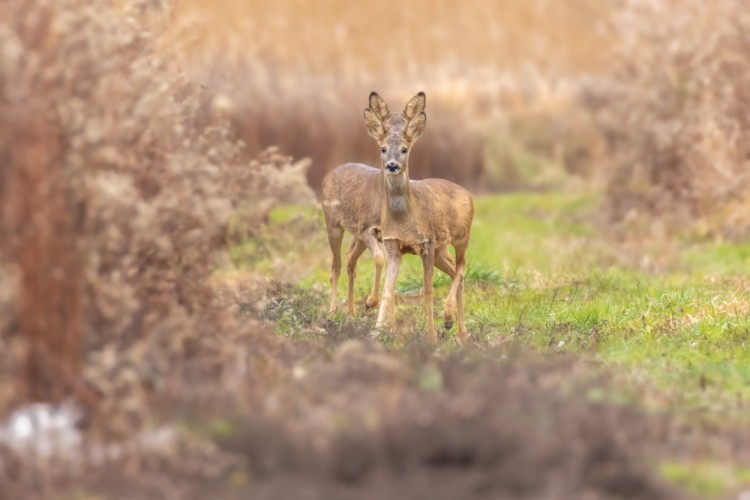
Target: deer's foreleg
[(371, 240), (392, 264), (428, 262)]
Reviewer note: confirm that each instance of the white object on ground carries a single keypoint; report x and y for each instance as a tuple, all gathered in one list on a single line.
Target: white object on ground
[(44, 430)]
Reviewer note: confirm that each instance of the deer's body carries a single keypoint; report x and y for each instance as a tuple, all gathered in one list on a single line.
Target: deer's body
[(429, 210), (421, 217), (352, 200), (351, 197)]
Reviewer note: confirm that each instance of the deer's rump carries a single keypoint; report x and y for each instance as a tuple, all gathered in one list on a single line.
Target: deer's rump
[(351, 197)]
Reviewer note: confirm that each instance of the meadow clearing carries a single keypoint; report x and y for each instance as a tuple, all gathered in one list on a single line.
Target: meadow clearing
[(666, 323), (164, 264)]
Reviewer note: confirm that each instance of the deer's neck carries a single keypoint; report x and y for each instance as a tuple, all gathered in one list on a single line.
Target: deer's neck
[(397, 196), (400, 213)]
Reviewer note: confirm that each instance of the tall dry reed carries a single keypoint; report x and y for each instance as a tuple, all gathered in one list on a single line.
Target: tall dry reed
[(298, 74)]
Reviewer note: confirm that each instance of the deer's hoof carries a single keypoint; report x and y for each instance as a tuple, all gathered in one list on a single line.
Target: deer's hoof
[(448, 325), (463, 338)]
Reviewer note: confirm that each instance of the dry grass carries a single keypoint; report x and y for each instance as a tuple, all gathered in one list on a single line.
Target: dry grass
[(386, 39), (298, 75)]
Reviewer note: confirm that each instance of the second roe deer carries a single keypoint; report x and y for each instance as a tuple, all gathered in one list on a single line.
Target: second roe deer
[(351, 196), (420, 217)]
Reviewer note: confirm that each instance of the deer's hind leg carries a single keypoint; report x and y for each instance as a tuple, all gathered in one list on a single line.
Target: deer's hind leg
[(335, 237), (355, 250), (457, 290), (428, 263), (445, 263)]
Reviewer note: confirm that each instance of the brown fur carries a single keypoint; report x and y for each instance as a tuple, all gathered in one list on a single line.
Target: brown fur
[(421, 217), (351, 199), (351, 196)]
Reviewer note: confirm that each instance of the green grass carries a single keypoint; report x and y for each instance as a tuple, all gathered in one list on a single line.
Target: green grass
[(706, 478), (540, 274), (476, 273)]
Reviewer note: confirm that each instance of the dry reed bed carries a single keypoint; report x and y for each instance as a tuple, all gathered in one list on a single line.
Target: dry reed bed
[(650, 95), (298, 75)]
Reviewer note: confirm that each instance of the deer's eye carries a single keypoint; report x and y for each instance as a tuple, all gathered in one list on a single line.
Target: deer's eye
[(404, 150), (383, 149)]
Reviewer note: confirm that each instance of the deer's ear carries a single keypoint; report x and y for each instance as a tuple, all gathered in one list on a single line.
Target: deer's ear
[(415, 127), (378, 106), (375, 127), (415, 105)]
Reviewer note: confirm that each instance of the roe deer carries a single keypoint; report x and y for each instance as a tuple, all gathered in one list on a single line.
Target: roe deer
[(420, 217), (351, 196)]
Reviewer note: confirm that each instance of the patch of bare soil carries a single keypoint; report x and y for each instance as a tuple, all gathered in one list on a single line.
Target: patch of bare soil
[(358, 422)]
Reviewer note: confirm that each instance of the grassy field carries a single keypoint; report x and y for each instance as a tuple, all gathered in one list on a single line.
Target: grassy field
[(669, 319)]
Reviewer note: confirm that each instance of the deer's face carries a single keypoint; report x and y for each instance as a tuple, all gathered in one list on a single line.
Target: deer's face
[(395, 132), (394, 152)]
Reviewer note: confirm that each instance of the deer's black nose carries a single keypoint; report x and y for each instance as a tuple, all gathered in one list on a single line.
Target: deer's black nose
[(392, 166)]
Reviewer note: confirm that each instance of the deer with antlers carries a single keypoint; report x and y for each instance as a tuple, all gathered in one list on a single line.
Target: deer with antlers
[(420, 217), (351, 196)]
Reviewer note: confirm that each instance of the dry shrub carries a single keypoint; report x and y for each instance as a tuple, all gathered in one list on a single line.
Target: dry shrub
[(678, 117), (116, 192)]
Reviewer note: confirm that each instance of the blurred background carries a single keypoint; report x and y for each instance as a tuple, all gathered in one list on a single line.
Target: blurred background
[(501, 77), (521, 94), (143, 141)]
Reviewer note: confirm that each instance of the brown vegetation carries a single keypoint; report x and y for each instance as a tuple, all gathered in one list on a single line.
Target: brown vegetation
[(677, 118), (659, 113), (117, 192), (300, 74)]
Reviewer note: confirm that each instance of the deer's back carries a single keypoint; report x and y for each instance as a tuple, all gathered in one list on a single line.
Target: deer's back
[(351, 197), (447, 207)]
